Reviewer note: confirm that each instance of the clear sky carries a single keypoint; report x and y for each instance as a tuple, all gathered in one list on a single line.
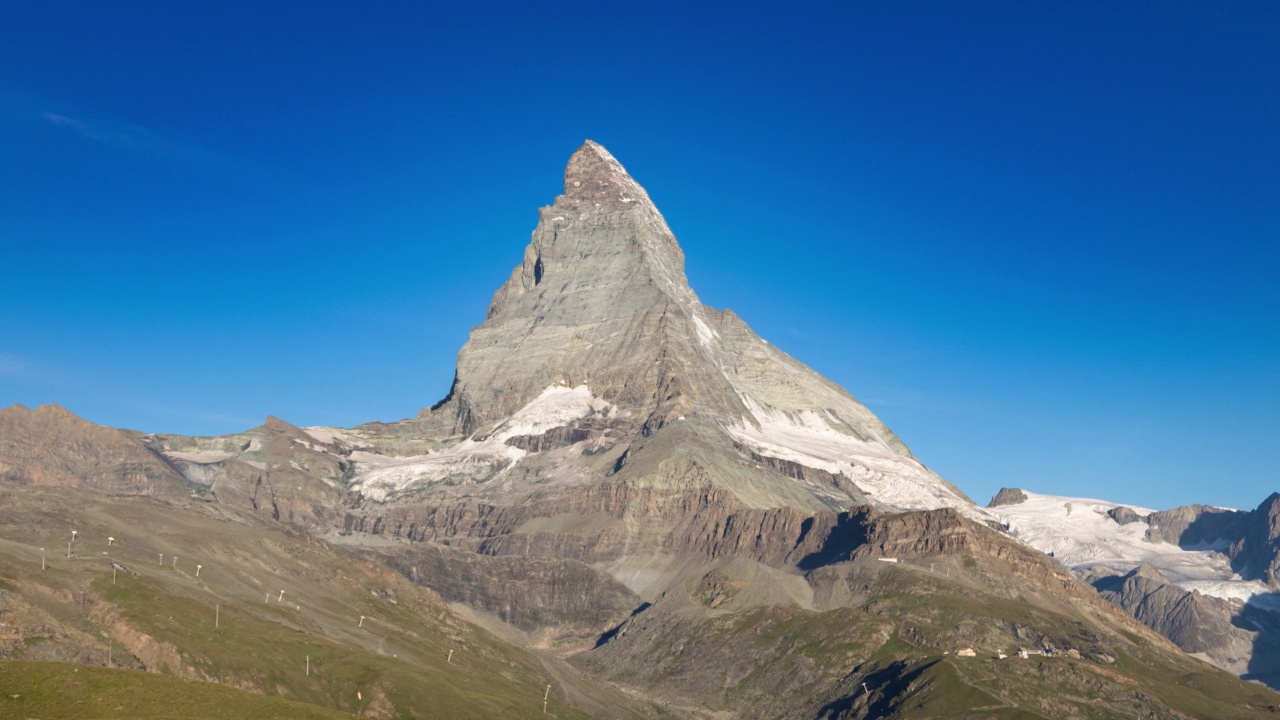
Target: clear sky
[(1038, 239)]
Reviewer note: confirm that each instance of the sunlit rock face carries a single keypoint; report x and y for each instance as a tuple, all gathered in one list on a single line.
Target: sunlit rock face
[(596, 362)]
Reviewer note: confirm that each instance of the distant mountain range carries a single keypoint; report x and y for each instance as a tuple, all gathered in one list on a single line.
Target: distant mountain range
[(1205, 577), (632, 498)]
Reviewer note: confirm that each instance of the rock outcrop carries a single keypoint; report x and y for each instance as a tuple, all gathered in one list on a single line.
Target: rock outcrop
[(52, 447), (1251, 539), (1194, 525), (1194, 622), (1256, 553), (1007, 496), (1124, 515)]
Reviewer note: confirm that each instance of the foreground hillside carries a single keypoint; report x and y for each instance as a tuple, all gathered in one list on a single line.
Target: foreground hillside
[(115, 602), (741, 634), (59, 691)]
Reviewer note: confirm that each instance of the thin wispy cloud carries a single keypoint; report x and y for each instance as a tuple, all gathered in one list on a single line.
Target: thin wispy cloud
[(12, 365), (231, 423), (130, 137), (72, 123)]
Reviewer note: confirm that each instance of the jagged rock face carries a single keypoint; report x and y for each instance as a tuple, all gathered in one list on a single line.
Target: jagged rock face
[(1124, 515), (1194, 525), (1007, 496), (529, 593), (1194, 622), (598, 338), (601, 298), (1252, 537), (1257, 552)]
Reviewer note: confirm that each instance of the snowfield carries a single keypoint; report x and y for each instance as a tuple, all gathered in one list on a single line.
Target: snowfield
[(379, 477), (893, 481), (1078, 533)]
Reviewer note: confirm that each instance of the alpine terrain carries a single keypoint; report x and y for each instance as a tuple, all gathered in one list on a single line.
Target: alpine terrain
[(627, 505)]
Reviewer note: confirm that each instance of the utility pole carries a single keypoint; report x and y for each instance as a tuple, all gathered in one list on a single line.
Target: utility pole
[(41, 558), (217, 612)]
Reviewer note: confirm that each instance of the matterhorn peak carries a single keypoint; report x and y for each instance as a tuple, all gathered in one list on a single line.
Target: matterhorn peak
[(601, 249), (664, 389), (594, 175)]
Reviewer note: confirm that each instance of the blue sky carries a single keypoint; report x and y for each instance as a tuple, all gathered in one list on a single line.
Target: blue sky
[(1038, 239)]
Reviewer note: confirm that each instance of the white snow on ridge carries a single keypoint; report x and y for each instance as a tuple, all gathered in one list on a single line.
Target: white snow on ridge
[(1236, 588), (557, 406), (705, 334), (332, 436), (1078, 533), (200, 457), (379, 476), (892, 480)]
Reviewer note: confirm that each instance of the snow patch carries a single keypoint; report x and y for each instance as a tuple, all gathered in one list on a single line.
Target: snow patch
[(894, 481), (200, 457), (308, 445), (1078, 533), (705, 334), (1236, 588), (379, 476), (557, 406)]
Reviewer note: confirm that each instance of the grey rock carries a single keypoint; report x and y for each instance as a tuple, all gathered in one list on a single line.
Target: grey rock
[(1251, 539), (1124, 515), (1194, 622), (1194, 525), (1008, 496)]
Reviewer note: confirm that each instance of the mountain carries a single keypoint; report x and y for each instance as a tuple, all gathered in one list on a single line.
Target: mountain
[(618, 357), (626, 495), (1202, 576), (50, 446)]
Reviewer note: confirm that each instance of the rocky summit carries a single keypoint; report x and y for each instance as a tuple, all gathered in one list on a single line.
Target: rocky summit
[(628, 505), (596, 362)]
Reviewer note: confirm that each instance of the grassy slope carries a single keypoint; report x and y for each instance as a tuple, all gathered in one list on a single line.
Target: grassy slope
[(57, 691), (899, 637), (162, 618)]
